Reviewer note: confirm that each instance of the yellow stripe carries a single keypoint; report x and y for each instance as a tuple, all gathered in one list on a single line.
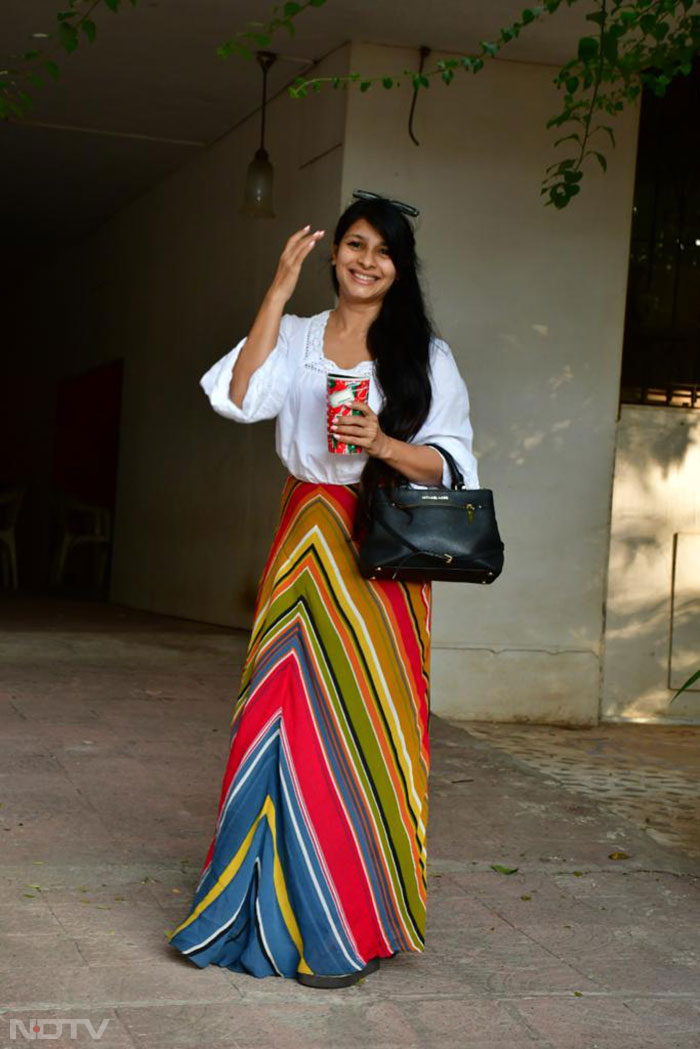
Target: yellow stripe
[(281, 890), (268, 812)]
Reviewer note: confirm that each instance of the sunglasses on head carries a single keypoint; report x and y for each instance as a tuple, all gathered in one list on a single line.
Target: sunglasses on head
[(365, 194)]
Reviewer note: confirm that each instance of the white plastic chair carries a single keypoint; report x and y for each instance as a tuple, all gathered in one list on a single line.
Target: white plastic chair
[(83, 523), (10, 504)]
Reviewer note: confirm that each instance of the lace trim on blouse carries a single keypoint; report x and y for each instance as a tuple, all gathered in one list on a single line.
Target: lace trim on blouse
[(314, 357)]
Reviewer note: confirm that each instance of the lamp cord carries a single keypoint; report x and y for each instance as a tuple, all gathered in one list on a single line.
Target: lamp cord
[(424, 52), (264, 102)]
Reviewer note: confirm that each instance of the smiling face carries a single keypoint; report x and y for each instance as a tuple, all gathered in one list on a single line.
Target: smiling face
[(363, 265)]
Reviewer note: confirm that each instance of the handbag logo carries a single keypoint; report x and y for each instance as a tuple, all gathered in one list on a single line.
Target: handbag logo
[(435, 498)]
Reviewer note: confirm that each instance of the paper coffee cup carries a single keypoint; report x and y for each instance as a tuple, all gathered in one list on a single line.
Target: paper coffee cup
[(342, 390)]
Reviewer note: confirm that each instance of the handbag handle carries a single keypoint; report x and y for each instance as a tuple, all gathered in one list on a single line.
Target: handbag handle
[(457, 477)]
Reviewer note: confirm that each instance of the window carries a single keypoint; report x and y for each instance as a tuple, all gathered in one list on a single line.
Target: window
[(661, 350)]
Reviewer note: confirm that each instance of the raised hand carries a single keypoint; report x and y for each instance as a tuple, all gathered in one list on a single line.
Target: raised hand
[(295, 251), (264, 332)]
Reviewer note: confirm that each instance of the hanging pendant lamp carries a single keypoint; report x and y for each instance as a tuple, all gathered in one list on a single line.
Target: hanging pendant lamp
[(257, 198)]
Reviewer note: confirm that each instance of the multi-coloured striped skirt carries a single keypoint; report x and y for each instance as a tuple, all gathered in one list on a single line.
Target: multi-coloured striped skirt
[(318, 861)]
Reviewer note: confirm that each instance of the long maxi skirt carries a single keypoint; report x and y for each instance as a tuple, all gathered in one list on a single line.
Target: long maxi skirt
[(318, 861)]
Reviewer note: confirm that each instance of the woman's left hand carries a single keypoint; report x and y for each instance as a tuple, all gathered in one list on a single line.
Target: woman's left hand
[(363, 430)]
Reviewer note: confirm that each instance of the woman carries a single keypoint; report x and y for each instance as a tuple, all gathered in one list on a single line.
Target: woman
[(317, 868)]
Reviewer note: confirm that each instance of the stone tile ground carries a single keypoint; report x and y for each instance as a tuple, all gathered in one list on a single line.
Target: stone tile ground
[(650, 775), (112, 742)]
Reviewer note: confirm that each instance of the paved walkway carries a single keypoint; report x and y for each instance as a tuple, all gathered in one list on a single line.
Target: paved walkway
[(649, 774), (113, 736)]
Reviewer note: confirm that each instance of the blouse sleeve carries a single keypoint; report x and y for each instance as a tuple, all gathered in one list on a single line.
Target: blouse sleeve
[(448, 422), (267, 387)]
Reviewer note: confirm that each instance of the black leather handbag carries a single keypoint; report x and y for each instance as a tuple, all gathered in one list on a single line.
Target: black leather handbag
[(447, 534)]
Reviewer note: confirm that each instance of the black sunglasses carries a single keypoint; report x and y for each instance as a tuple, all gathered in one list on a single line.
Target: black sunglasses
[(365, 194)]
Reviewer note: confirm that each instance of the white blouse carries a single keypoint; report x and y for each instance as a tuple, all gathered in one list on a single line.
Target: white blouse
[(290, 385)]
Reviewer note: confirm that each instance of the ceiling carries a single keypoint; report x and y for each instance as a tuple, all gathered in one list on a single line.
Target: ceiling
[(151, 91)]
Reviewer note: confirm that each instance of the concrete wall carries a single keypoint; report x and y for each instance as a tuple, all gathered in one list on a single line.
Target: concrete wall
[(656, 499), (171, 283), (532, 303)]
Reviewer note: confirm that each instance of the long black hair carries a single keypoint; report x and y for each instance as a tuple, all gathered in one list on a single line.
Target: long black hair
[(398, 339)]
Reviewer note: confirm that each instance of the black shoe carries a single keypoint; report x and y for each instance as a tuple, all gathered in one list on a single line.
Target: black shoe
[(343, 980)]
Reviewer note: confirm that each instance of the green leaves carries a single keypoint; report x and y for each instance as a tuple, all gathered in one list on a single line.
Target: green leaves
[(608, 46), (73, 24), (563, 183), (566, 138), (609, 130), (472, 64), (500, 869), (68, 36), (259, 36), (560, 195), (687, 684), (587, 48), (631, 45), (298, 89), (640, 43), (659, 84)]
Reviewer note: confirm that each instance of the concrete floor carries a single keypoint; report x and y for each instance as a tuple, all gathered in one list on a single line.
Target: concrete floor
[(114, 736)]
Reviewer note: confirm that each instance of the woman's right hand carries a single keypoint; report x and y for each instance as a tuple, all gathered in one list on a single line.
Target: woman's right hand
[(299, 245)]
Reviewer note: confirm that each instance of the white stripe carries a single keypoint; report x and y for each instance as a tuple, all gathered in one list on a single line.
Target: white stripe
[(237, 784), (319, 893), (317, 845), (263, 937), (227, 924)]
